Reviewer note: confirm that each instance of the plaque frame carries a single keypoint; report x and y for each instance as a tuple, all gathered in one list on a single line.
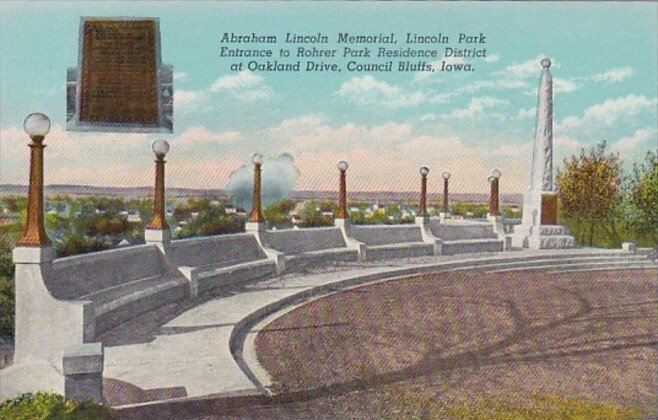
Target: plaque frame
[(164, 86)]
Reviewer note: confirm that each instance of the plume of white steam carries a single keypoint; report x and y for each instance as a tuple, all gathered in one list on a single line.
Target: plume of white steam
[(278, 178)]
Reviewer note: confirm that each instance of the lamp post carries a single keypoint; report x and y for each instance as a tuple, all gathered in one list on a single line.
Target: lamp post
[(342, 195), (424, 170), (36, 125), (256, 215), (493, 200), (159, 222), (446, 177), (445, 210)]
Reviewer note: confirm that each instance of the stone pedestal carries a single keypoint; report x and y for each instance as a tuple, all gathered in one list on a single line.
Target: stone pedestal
[(33, 254), (157, 236), (540, 229), (342, 223), (422, 220), (83, 372), (257, 227)]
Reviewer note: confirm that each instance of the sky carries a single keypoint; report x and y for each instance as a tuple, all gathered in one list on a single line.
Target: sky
[(385, 124)]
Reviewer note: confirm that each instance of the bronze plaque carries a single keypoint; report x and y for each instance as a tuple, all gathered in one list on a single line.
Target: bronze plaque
[(119, 80), (549, 209)]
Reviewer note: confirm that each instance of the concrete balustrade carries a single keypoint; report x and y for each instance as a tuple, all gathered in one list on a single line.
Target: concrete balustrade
[(468, 237), (219, 260), (303, 247), (81, 275), (392, 241), (80, 297)]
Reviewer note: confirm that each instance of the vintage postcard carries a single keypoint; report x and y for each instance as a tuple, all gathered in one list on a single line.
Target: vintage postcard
[(215, 209)]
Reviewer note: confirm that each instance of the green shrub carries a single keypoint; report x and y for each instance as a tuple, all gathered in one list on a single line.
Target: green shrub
[(43, 405), (6, 308), (6, 295)]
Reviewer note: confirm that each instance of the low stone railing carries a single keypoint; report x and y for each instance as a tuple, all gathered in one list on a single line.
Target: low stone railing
[(62, 305)]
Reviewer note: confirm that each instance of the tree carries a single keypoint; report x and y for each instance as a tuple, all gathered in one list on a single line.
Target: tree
[(644, 194), (589, 189), (311, 214), (277, 213)]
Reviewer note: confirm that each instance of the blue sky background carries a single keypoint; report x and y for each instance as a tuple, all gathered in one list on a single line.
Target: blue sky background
[(384, 124)]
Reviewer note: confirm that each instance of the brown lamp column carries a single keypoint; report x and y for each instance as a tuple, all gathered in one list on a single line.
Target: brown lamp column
[(342, 195), (422, 211), (256, 215), (493, 200), (159, 222), (36, 125), (446, 177)]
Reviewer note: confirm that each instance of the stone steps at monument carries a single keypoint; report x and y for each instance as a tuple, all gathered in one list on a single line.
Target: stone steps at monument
[(629, 266), (544, 261), (553, 230), (574, 267), (578, 263)]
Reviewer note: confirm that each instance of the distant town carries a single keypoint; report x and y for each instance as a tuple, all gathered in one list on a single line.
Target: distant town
[(82, 219)]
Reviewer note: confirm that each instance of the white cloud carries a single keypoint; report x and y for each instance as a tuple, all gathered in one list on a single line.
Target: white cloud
[(202, 172), (478, 106), (367, 91), (563, 85), (566, 142), (189, 98), (77, 157), (314, 132), (614, 75), (627, 145), (244, 79), (524, 69), (498, 83), (526, 113), (196, 134), (376, 152), (609, 112), (492, 58), (245, 87)]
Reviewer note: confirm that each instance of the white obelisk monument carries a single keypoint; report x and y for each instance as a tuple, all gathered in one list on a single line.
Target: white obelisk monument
[(540, 228)]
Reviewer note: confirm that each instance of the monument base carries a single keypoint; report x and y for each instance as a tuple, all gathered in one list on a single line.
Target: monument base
[(540, 229)]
